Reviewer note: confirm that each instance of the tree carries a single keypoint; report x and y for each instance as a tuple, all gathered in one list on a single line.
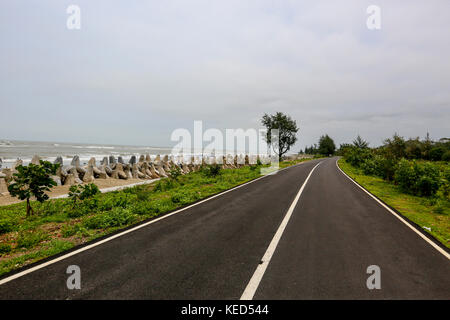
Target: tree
[(33, 180), (360, 143), (287, 130), (395, 147), (326, 145)]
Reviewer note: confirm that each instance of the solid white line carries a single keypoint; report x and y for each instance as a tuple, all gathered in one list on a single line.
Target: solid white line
[(42, 265), (398, 216), (253, 284)]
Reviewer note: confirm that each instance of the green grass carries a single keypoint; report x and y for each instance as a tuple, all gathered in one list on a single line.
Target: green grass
[(58, 225), (426, 212)]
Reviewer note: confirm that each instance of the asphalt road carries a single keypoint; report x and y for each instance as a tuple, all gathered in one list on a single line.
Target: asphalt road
[(211, 250)]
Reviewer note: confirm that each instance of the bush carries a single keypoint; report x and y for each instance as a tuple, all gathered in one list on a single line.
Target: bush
[(446, 156), (142, 208), (76, 229), (212, 170), (114, 218), (6, 226), (4, 248), (418, 179), (175, 172), (370, 167), (386, 167), (405, 176), (429, 179), (116, 199), (445, 186), (82, 192), (52, 207), (184, 197), (357, 156), (31, 239), (436, 153)]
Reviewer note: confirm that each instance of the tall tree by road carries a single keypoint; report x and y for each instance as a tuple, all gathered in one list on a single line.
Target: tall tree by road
[(326, 145), (287, 130)]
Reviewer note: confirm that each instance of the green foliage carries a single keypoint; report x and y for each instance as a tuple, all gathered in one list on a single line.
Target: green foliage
[(326, 146), (175, 172), (116, 217), (212, 170), (33, 181), (360, 143), (29, 239), (421, 179), (395, 147), (184, 197), (142, 208), (5, 248), (437, 153), (446, 156), (287, 130), (82, 192), (75, 229), (6, 226), (356, 156), (116, 199)]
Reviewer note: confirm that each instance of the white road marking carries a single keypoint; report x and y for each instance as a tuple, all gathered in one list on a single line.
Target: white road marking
[(43, 265), (253, 284), (434, 245)]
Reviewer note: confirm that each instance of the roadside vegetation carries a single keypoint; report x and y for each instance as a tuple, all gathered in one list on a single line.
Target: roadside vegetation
[(60, 224), (412, 176)]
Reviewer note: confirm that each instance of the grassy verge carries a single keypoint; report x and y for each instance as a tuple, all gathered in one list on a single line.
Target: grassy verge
[(428, 213), (60, 224)]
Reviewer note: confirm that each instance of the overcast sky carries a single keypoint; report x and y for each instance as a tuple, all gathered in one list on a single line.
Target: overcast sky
[(137, 70)]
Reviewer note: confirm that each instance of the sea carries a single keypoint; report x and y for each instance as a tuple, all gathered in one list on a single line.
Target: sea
[(11, 150)]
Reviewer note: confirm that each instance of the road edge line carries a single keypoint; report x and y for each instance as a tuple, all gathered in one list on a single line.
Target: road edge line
[(398, 216), (255, 280)]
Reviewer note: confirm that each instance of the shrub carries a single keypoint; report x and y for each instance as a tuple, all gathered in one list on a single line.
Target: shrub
[(370, 167), (445, 186), (429, 179), (421, 179), (386, 167), (212, 170), (82, 192), (50, 208), (142, 208), (175, 172), (356, 156), (30, 239), (446, 156), (6, 226), (436, 153), (4, 248), (405, 176), (116, 199), (114, 218), (75, 229)]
